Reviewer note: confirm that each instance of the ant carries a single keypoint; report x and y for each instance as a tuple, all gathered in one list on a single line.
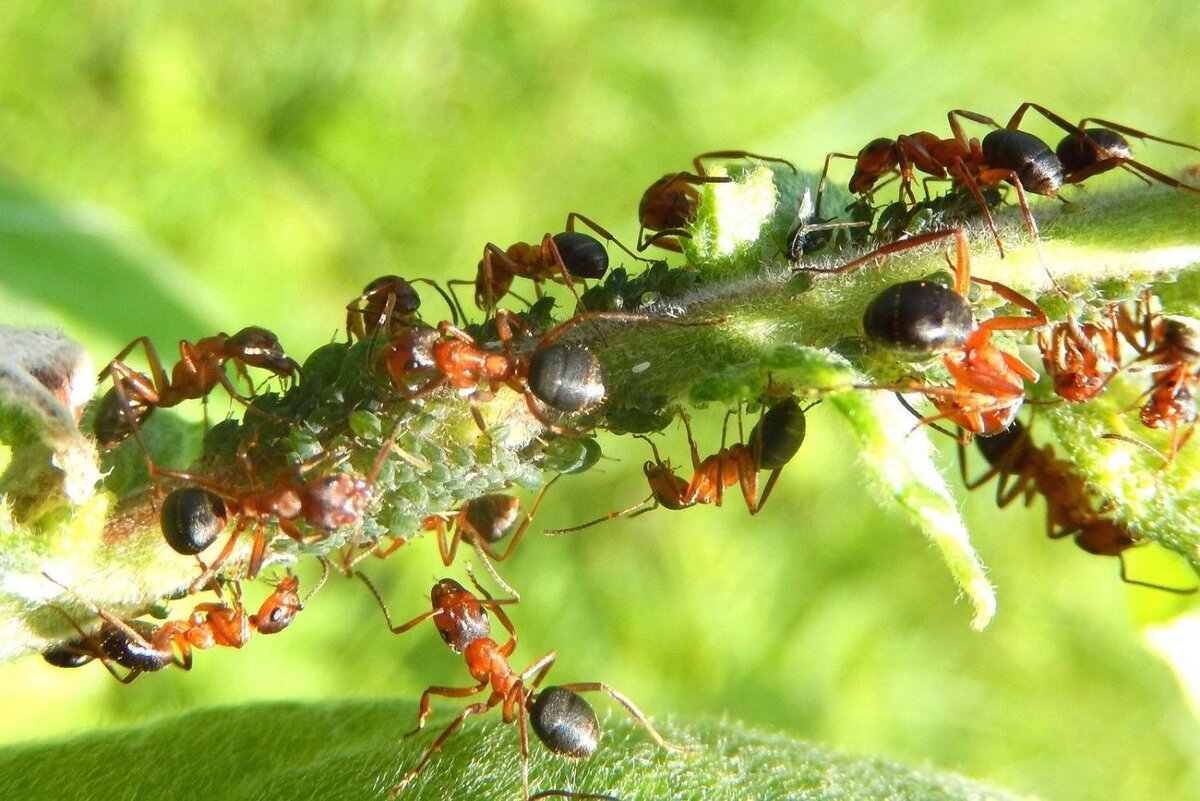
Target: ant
[(773, 441), (669, 205), (1025, 470), (462, 621), (565, 377), (389, 304), (559, 257), (201, 367), (328, 502), (923, 318), (143, 647), (1170, 347)]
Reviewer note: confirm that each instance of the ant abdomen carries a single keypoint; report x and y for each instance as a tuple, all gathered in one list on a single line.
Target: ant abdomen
[(582, 255), (918, 317), (565, 723), (566, 377), (192, 518)]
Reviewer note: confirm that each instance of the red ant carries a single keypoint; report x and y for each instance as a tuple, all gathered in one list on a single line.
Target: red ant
[(1004, 155), (327, 503), (388, 304), (559, 257), (773, 441), (462, 621), (143, 647), (669, 205), (1170, 347), (926, 318), (201, 367), (1025, 470), (567, 378)]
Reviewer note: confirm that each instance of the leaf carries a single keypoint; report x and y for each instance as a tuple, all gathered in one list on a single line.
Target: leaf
[(356, 750)]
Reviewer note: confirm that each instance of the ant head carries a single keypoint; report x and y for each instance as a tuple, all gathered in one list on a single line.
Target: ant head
[(258, 347), (338, 500), (279, 609), (459, 617), (405, 298)]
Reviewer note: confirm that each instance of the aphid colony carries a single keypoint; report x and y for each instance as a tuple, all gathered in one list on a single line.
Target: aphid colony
[(562, 386)]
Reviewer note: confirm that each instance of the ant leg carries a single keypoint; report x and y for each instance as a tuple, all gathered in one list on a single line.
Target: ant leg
[(824, 174), (473, 709), (885, 250), (1136, 167), (455, 309), (573, 216), (1075, 130), (1137, 583), (1134, 132), (630, 707), (485, 547), (630, 511), (618, 317), (447, 548), (495, 605), (426, 705), (387, 613), (1037, 317), (458, 303), (960, 170), (662, 239), (731, 155)]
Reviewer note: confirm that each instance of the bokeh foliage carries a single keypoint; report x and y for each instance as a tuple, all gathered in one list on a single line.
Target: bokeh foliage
[(268, 165)]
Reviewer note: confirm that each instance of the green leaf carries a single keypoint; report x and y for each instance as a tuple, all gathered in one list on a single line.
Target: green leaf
[(356, 750)]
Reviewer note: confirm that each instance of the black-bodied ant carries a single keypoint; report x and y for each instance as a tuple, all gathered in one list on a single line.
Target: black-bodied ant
[(462, 621), (561, 257), (669, 205), (772, 443), (924, 318), (140, 646), (565, 377)]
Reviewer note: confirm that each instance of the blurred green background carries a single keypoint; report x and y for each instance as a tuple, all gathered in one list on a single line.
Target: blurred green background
[(178, 169)]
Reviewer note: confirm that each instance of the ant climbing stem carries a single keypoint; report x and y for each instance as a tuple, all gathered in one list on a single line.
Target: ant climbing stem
[(564, 257), (462, 620)]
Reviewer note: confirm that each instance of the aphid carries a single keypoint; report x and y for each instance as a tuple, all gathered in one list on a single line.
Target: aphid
[(1024, 470), (201, 367), (560, 257), (462, 621), (389, 304), (143, 647), (669, 205), (773, 442), (923, 318), (565, 377)]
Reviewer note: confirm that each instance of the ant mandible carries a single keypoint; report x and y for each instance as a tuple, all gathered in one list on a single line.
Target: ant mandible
[(143, 647), (462, 621), (1023, 469), (559, 257), (924, 318), (201, 367), (773, 441), (669, 205), (565, 377)]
